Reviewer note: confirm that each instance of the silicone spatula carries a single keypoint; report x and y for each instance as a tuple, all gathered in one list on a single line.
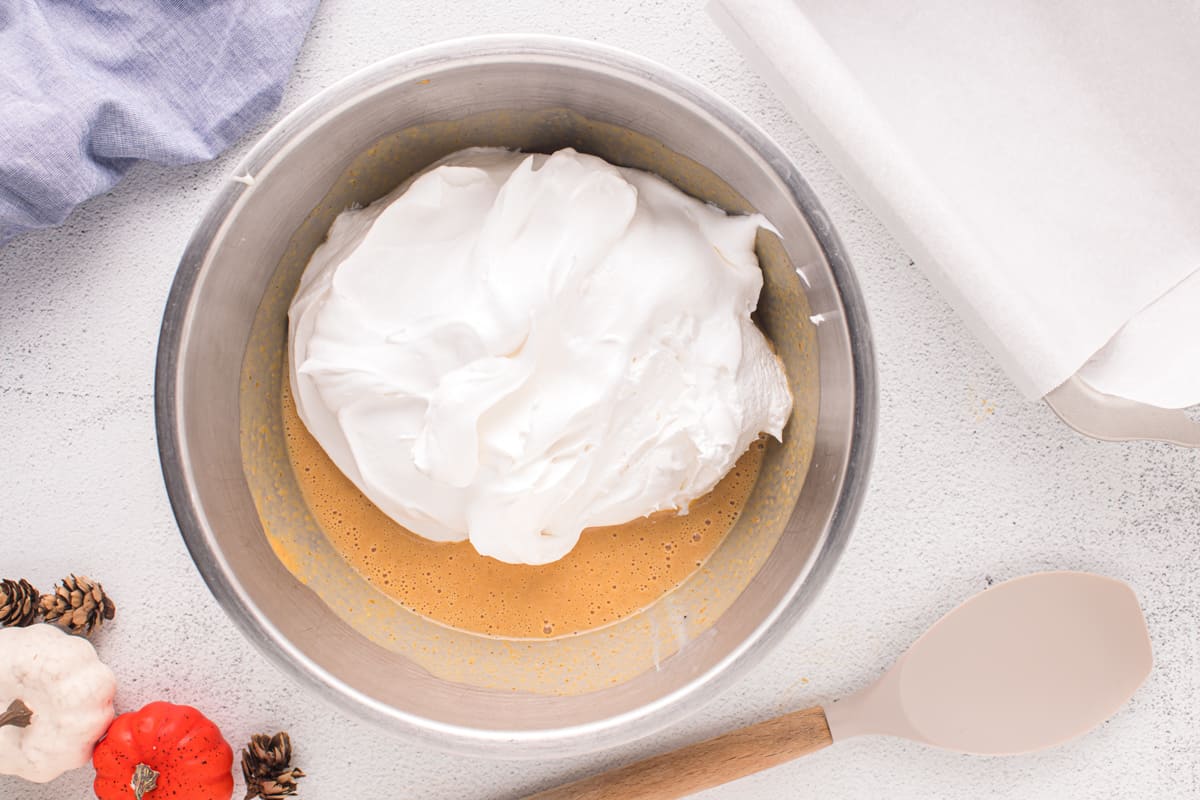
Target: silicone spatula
[(1025, 665)]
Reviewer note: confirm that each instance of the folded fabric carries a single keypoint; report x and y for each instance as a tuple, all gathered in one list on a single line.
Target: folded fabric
[(1041, 162), (88, 88)]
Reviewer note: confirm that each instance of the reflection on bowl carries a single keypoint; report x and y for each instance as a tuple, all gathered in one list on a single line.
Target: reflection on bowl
[(222, 359)]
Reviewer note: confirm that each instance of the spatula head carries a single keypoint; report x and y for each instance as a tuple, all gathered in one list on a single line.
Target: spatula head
[(1025, 665)]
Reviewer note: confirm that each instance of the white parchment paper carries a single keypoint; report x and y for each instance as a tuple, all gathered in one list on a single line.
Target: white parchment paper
[(1040, 161)]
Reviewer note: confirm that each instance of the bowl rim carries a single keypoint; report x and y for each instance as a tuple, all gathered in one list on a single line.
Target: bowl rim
[(597, 734)]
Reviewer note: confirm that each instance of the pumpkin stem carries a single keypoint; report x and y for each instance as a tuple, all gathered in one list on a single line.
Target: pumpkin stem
[(18, 715), (144, 780)]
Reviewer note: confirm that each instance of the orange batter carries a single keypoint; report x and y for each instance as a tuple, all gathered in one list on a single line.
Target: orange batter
[(612, 572)]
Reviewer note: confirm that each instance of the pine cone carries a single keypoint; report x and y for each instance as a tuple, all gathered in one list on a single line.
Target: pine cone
[(266, 766), (78, 606), (18, 603)]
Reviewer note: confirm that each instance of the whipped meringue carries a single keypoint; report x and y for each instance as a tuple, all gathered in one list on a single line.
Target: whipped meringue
[(512, 348)]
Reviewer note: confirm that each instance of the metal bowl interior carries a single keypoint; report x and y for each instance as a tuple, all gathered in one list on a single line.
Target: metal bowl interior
[(218, 374)]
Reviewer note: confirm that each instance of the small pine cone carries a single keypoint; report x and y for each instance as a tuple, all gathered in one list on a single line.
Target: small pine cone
[(18, 603), (79, 605), (282, 785), (266, 766)]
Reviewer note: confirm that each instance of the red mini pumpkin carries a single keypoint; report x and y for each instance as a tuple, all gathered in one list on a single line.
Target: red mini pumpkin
[(163, 751)]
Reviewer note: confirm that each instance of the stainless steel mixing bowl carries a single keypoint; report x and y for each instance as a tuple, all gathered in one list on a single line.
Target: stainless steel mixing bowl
[(218, 375)]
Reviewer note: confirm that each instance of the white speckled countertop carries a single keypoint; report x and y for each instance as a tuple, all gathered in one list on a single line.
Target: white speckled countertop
[(970, 484)]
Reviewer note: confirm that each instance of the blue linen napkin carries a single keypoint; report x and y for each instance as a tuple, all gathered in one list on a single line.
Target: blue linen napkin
[(89, 87)]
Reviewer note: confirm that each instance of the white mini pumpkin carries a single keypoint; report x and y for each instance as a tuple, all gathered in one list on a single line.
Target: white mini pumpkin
[(61, 680)]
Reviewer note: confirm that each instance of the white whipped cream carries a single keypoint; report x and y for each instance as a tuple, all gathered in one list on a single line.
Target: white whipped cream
[(512, 348)]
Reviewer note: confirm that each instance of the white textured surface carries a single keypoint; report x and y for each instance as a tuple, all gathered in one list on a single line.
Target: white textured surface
[(970, 483)]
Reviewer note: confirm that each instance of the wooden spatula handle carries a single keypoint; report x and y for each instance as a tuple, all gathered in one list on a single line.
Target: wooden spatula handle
[(710, 763)]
